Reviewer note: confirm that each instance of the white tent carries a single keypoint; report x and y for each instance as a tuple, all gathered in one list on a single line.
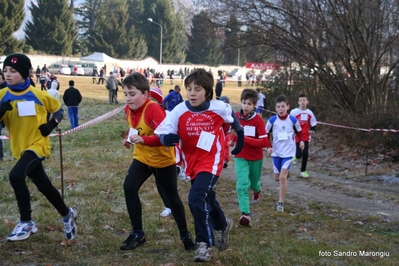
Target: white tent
[(99, 57)]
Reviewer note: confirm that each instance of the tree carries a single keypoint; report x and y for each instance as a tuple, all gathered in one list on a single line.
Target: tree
[(162, 12), (345, 44), (11, 17), (204, 44), (111, 35), (53, 28)]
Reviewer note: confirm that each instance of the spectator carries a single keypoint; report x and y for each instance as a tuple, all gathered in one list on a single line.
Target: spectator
[(72, 99), (101, 76), (38, 71), (112, 86), (95, 74), (172, 99)]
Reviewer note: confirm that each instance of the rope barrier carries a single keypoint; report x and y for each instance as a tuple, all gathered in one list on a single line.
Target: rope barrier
[(341, 126)]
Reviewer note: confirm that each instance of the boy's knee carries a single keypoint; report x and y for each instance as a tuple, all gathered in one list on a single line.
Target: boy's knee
[(15, 177)]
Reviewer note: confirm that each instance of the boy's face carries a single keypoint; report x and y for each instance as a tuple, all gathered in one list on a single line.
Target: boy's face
[(303, 102), (195, 94), (12, 76), (247, 106), (134, 97), (282, 108)]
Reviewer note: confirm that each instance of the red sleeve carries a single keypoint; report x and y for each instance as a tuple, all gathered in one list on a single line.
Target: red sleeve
[(153, 116), (263, 142), (263, 138)]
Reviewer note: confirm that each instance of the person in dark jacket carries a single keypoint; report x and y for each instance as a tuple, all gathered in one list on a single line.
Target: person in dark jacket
[(219, 88), (72, 99)]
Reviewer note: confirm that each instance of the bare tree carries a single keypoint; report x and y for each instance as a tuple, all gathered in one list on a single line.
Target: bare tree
[(349, 46)]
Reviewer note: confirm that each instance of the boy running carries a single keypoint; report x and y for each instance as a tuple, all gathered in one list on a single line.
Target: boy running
[(248, 163), (198, 123), (308, 123), (283, 128), (150, 157)]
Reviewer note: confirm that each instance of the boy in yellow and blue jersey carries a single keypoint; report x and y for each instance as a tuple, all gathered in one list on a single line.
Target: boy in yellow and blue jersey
[(23, 109)]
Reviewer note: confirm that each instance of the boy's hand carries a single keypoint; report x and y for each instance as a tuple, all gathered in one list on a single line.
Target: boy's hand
[(302, 145), (171, 139), (4, 107), (240, 142), (126, 144)]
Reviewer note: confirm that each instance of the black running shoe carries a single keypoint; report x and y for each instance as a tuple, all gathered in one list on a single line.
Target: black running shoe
[(188, 242), (133, 241)]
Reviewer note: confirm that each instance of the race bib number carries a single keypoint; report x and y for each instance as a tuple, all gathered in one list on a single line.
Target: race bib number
[(205, 141), (26, 108), (282, 136)]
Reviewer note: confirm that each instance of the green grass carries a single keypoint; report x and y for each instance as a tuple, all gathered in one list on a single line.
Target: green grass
[(95, 163)]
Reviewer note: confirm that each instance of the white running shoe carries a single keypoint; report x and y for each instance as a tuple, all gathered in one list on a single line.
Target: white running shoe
[(182, 173), (22, 231), (203, 253), (166, 212), (70, 227)]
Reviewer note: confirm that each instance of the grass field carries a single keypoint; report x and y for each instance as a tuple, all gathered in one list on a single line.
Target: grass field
[(94, 167)]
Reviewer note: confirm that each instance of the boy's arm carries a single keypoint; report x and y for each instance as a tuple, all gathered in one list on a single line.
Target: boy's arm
[(240, 134), (262, 141)]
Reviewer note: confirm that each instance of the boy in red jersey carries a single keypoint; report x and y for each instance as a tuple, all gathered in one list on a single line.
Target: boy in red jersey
[(198, 123), (248, 163), (149, 158), (308, 123)]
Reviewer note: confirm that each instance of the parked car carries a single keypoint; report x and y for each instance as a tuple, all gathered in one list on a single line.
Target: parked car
[(59, 69), (89, 66), (77, 70)]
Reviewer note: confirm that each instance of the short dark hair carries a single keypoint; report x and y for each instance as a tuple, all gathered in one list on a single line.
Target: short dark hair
[(249, 94), (282, 98), (202, 78), (138, 80), (302, 95), (71, 83)]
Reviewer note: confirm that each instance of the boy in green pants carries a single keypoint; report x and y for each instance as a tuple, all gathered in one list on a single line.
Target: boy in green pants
[(248, 163)]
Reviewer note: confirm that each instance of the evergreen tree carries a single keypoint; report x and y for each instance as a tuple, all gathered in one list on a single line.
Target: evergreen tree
[(11, 17), (162, 12), (110, 33), (204, 45), (234, 42), (53, 28)]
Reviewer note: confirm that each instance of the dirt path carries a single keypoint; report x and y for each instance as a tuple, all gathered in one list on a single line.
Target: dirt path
[(371, 195)]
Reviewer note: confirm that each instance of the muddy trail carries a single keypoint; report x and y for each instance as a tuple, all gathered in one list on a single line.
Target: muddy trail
[(339, 181)]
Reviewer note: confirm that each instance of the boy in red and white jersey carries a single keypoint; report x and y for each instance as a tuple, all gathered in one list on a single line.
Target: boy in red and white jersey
[(198, 122), (308, 123)]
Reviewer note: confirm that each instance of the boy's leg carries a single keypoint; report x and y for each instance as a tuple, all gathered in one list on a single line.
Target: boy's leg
[(166, 182), (137, 174), (242, 168), (298, 151), (305, 156), (201, 199), (283, 184), (285, 166), (30, 165), (254, 174)]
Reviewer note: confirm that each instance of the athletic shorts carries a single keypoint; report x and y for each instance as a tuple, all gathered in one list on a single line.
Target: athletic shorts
[(281, 163)]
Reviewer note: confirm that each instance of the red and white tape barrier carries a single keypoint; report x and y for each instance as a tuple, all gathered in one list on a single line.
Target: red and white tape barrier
[(341, 126), (87, 124)]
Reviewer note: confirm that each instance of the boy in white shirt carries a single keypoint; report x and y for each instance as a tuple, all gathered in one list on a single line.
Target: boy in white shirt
[(283, 127)]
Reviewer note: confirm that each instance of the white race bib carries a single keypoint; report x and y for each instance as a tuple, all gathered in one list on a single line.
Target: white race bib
[(282, 136), (132, 132), (205, 141), (249, 131), (26, 108)]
